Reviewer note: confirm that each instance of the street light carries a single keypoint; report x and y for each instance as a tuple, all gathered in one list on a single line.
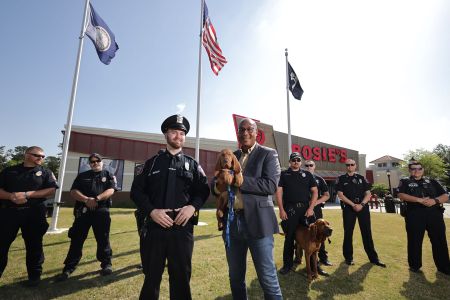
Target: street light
[(388, 173)]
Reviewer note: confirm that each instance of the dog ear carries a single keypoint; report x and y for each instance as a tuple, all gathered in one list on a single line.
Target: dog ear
[(236, 164), (313, 230), (218, 166)]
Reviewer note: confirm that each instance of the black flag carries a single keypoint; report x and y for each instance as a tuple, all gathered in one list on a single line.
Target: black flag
[(294, 84)]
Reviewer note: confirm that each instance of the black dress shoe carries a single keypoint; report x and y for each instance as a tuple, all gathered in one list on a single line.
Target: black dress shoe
[(322, 272), (33, 282), (285, 270), (63, 276), (415, 270), (326, 262), (379, 263), (349, 262)]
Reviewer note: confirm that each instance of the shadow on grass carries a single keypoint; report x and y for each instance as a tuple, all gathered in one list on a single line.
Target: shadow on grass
[(87, 262), (206, 236), (418, 287), (343, 282), (49, 289), (121, 212), (67, 241)]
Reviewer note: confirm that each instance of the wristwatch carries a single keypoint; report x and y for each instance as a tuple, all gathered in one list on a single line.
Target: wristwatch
[(363, 204), (26, 195), (437, 201)]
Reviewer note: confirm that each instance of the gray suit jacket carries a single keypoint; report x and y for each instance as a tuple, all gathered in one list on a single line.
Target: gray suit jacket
[(261, 176)]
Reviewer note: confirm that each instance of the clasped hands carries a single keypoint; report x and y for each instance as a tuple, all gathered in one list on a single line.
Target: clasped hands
[(160, 216)]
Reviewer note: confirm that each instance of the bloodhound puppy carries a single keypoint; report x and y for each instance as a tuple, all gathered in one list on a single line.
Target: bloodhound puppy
[(309, 239), (227, 173)]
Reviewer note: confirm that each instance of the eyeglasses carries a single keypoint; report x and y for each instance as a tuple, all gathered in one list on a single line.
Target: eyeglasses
[(296, 160), (348, 165), (308, 166), (94, 161), (249, 130), (415, 169), (37, 155)]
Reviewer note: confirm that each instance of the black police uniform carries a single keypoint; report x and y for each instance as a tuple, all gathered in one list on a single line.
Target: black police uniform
[(296, 196), (323, 188), (29, 217), (168, 182), (420, 218), (91, 184), (354, 188)]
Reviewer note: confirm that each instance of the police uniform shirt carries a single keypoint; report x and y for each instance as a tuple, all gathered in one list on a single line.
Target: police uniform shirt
[(353, 186), (296, 186), (321, 185), (423, 187), (189, 186), (91, 184), (19, 178)]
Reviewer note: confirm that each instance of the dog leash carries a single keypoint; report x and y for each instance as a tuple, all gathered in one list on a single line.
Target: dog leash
[(230, 213)]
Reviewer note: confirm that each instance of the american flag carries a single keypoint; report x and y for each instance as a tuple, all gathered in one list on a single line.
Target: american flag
[(209, 41)]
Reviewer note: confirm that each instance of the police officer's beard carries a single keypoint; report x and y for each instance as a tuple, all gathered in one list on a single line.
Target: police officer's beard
[(175, 143)]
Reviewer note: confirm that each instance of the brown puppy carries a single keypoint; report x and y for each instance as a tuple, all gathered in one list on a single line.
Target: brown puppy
[(228, 173), (309, 239)]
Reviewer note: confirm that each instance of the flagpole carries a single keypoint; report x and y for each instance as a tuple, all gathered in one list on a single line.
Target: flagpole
[(199, 86), (288, 107), (68, 129)]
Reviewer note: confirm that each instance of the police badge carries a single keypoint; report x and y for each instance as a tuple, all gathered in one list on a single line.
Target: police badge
[(39, 173)]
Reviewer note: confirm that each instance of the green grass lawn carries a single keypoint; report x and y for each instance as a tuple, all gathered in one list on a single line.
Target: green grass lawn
[(210, 272)]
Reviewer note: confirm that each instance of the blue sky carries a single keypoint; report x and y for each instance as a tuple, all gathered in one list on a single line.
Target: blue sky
[(376, 74)]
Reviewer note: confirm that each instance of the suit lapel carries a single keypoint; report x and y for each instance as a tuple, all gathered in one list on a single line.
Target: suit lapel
[(251, 157)]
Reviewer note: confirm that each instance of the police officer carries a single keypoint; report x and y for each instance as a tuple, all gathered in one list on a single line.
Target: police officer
[(323, 196), (92, 191), (354, 191), (295, 203), (23, 189), (171, 187), (424, 199)]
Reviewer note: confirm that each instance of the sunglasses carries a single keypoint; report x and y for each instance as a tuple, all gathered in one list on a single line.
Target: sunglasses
[(308, 166), (94, 161), (249, 130), (37, 155), (348, 165), (416, 169), (296, 160)]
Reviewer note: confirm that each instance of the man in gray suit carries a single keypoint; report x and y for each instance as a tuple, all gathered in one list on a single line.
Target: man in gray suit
[(254, 221)]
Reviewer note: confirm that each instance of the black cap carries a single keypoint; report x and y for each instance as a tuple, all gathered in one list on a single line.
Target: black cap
[(95, 155), (294, 155), (175, 122), (413, 161)]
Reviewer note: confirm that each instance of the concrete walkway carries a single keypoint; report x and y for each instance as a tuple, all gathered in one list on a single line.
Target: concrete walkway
[(377, 210)]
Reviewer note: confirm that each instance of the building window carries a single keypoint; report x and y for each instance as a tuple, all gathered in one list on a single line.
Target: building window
[(395, 164), (382, 165)]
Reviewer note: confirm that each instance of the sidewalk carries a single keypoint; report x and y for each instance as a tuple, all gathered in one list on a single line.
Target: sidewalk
[(377, 210)]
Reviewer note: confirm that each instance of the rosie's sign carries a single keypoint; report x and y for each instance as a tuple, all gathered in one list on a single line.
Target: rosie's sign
[(321, 153)]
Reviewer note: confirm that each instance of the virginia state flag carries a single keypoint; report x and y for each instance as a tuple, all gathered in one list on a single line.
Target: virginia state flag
[(294, 84), (102, 37)]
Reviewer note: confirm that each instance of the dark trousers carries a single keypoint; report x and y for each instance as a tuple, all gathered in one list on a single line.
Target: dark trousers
[(175, 245), (350, 216), (100, 221), (431, 219), (323, 254), (33, 225), (295, 216)]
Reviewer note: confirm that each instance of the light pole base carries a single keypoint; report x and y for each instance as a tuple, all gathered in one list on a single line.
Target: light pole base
[(56, 230)]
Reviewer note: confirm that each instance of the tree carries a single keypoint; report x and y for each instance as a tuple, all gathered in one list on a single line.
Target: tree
[(380, 189), (443, 151), (3, 158), (52, 163), (434, 166), (17, 155)]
